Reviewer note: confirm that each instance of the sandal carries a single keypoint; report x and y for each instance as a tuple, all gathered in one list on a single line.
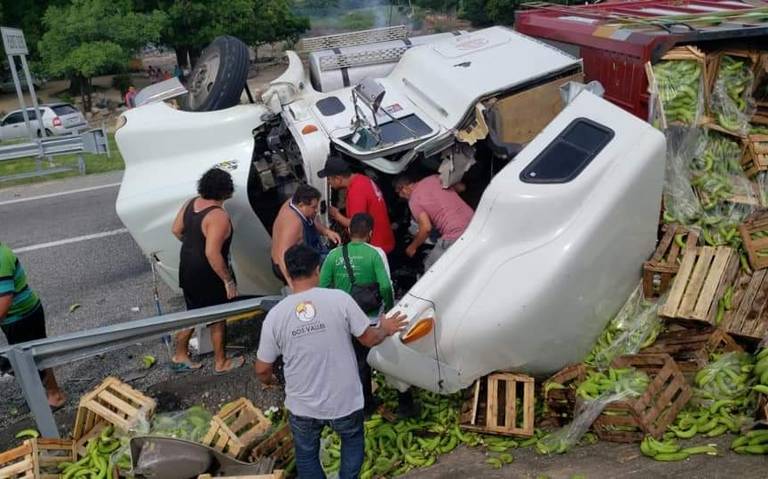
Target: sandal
[(184, 366), (234, 363)]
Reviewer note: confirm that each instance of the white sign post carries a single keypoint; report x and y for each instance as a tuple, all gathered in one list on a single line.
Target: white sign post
[(16, 45)]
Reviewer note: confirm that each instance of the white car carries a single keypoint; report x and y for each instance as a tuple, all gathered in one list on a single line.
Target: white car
[(569, 190), (58, 119)]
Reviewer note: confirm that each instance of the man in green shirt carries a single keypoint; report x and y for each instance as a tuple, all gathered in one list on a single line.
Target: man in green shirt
[(369, 265), (21, 315)]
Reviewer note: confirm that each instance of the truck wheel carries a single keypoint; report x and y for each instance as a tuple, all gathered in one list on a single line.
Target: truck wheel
[(219, 76)]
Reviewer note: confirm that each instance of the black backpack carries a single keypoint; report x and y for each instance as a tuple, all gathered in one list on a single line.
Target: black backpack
[(367, 296)]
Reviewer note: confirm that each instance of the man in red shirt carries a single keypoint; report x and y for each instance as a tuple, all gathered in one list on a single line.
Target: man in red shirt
[(363, 196)]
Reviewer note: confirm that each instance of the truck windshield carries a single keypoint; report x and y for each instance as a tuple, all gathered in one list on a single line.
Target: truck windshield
[(389, 133)]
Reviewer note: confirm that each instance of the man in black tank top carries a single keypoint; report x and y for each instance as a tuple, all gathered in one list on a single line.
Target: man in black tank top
[(205, 275)]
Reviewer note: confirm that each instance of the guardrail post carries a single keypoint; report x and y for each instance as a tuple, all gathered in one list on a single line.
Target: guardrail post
[(28, 376)]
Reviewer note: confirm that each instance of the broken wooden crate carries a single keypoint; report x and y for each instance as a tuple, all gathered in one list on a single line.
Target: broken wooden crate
[(36, 458), (754, 158), (237, 427), (501, 403), (559, 393), (748, 316), (701, 281), (754, 234), (278, 446), (112, 402), (660, 270), (651, 412), (691, 347)]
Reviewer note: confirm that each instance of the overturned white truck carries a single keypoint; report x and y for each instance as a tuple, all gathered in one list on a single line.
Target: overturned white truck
[(568, 186)]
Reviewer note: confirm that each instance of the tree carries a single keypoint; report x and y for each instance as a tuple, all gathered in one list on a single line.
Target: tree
[(92, 37)]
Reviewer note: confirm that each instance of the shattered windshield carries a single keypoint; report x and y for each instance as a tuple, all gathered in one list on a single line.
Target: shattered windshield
[(387, 134)]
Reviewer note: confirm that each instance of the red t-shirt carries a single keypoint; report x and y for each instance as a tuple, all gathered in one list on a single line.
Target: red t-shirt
[(363, 196)]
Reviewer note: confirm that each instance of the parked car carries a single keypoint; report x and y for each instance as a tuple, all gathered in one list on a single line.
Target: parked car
[(58, 119), (7, 85), (568, 187)]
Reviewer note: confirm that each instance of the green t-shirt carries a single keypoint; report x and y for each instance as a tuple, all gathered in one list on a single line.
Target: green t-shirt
[(368, 264), (13, 280)]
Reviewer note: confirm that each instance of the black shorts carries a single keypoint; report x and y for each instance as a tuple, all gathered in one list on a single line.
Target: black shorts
[(29, 328)]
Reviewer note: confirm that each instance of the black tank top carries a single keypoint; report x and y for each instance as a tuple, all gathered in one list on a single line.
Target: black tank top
[(196, 277)]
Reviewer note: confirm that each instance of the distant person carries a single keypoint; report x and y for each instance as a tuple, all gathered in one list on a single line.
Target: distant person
[(204, 228), (297, 222), (22, 317), (433, 206), (360, 269), (178, 72), (166, 75), (130, 97), (151, 73), (363, 196), (312, 330)]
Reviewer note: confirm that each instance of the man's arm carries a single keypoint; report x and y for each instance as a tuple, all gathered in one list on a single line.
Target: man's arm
[(216, 229), (264, 372), (327, 232), (425, 228), (178, 224), (387, 327), (339, 218), (326, 271), (385, 284), (5, 304), (286, 236)]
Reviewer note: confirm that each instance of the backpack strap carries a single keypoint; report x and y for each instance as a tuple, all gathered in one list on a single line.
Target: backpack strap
[(347, 265)]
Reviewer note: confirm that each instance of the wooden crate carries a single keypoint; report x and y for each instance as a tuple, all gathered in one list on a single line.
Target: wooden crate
[(743, 192), (715, 59), (748, 316), (561, 402), (650, 413), (19, 462), (49, 453), (276, 474), (754, 158), (690, 348), (493, 407), (278, 446), (659, 271), (112, 402), (237, 427), (755, 240), (704, 275)]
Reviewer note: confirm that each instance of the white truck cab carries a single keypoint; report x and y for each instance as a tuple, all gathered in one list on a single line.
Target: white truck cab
[(566, 189)]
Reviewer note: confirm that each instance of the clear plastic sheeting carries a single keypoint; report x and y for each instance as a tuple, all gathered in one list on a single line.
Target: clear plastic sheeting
[(681, 204), (726, 380), (634, 327), (626, 383), (731, 101), (190, 424), (680, 87)]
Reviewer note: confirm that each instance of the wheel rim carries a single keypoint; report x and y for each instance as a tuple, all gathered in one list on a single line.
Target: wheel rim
[(203, 79)]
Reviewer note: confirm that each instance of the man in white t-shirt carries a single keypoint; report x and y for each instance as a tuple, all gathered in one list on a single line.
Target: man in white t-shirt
[(311, 329)]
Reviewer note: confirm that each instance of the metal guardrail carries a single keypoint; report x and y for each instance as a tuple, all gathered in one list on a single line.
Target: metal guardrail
[(29, 358)]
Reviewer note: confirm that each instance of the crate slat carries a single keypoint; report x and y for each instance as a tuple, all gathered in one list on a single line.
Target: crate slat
[(278, 446), (748, 317)]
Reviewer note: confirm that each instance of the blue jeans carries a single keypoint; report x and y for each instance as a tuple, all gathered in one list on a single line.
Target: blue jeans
[(306, 442)]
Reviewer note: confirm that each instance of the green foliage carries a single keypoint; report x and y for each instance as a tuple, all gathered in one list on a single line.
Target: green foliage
[(360, 20), (90, 37), (488, 12)]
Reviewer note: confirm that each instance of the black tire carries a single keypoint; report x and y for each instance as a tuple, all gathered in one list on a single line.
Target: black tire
[(219, 76)]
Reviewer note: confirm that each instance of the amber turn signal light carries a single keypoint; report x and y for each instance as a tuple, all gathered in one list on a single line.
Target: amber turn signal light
[(308, 129), (418, 331)]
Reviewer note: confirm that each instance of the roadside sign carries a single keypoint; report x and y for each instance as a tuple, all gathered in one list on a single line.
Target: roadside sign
[(14, 41)]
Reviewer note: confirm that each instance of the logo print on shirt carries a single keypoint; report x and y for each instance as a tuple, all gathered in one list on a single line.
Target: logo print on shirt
[(305, 311)]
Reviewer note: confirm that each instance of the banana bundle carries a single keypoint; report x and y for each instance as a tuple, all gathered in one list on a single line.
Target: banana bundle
[(761, 372), (727, 377), (613, 381), (679, 85), (97, 462), (669, 450), (190, 424), (732, 91)]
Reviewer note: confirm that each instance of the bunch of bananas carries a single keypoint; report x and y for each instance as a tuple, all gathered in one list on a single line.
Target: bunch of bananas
[(612, 381), (752, 442), (733, 79), (761, 371), (719, 418), (679, 84), (727, 377), (669, 450), (97, 462), (191, 424)]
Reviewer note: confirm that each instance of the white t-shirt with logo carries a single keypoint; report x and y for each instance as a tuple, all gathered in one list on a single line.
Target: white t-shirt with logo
[(313, 332)]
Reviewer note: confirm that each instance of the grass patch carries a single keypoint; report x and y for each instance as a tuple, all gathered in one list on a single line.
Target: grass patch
[(93, 164)]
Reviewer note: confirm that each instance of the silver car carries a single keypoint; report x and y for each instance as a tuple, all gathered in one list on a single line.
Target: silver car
[(58, 119)]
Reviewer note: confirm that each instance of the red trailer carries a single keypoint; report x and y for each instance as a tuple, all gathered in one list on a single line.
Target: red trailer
[(616, 38)]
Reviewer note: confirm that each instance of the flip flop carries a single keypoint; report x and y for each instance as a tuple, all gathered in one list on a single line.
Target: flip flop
[(234, 363), (184, 366)]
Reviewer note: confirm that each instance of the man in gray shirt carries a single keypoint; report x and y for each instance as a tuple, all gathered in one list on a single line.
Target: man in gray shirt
[(311, 329)]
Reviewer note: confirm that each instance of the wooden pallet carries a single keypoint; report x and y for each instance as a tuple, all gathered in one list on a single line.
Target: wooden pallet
[(493, 407), (278, 446), (650, 413), (112, 402), (690, 348), (755, 240), (237, 427), (659, 271), (748, 317), (560, 403), (276, 474), (704, 275), (754, 157)]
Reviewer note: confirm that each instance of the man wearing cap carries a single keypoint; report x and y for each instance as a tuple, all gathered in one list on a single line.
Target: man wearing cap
[(363, 196)]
